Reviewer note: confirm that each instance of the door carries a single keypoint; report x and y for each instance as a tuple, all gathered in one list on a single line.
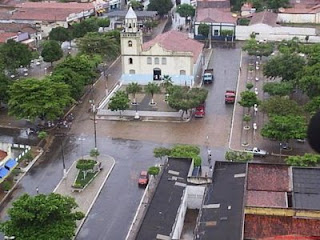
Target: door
[(156, 74)]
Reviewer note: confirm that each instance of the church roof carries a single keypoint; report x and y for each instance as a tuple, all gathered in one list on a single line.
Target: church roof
[(177, 42), (131, 14)]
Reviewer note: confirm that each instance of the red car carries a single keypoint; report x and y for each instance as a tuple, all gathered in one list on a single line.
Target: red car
[(143, 179), (200, 111)]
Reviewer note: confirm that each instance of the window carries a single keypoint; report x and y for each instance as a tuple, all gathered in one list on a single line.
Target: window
[(130, 43), (216, 32), (156, 60), (131, 71), (164, 61), (182, 72), (130, 61), (149, 60), (129, 25)]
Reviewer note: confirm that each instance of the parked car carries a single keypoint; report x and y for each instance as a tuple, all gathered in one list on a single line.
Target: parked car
[(143, 178), (257, 152)]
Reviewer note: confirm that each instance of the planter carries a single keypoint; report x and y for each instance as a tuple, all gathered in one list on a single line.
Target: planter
[(246, 128), (245, 144), (77, 187), (152, 104)]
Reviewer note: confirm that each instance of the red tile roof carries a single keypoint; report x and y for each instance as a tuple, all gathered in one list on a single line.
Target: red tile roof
[(266, 199), (177, 42), (290, 237), (265, 177), (258, 226), (215, 15), (301, 9), (43, 14), (17, 27), (56, 5), (264, 17), (3, 154), (4, 36)]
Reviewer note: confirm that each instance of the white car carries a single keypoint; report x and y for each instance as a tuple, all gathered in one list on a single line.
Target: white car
[(38, 63), (257, 152)]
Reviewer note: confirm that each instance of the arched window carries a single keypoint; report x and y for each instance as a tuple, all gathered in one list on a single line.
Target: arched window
[(182, 72), (149, 60), (129, 25), (156, 60), (130, 61), (130, 43), (132, 71), (164, 61)]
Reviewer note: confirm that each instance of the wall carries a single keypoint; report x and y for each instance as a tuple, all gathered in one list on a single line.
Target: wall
[(297, 18), (195, 196), (178, 226), (215, 26)]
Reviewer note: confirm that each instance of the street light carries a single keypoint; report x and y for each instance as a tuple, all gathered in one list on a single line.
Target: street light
[(93, 107), (62, 155), (280, 150)]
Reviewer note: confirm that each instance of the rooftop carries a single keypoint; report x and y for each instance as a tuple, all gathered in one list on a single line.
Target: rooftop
[(17, 27), (222, 213), (4, 36), (131, 13), (215, 15), (267, 199), (161, 214), (56, 5), (306, 188), (265, 17), (265, 177), (140, 14), (177, 42)]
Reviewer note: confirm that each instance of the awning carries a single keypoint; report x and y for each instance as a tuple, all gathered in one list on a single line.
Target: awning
[(10, 164), (3, 173)]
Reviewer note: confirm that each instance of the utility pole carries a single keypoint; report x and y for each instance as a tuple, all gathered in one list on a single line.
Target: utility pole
[(210, 36)]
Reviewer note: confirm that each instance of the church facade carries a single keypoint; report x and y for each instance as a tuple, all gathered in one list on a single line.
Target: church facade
[(171, 53)]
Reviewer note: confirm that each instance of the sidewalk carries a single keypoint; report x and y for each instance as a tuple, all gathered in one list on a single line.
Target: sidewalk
[(88, 196)]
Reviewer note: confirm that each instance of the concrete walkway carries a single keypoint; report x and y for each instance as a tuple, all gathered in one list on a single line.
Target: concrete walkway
[(88, 196)]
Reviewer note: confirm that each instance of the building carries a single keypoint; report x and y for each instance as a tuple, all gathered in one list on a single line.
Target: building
[(213, 3), (222, 22), (172, 53), (300, 13), (20, 32), (247, 9)]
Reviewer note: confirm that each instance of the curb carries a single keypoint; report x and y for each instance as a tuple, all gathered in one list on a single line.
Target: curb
[(95, 198)]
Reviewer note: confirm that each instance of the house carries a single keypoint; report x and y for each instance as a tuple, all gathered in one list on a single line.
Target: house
[(247, 9), (5, 36), (300, 13), (21, 32), (220, 19), (213, 3), (172, 53), (7, 163)]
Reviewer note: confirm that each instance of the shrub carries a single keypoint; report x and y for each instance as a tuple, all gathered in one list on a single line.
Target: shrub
[(6, 185), (85, 164), (94, 152), (249, 86), (42, 135), (187, 151), (153, 170), (238, 156), (27, 156), (306, 160), (244, 21)]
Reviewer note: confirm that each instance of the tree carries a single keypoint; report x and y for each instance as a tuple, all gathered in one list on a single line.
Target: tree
[(85, 165), (103, 22), (42, 135), (136, 5), (94, 153), (161, 152), (308, 80), (73, 79), (133, 88), (14, 55), (313, 105), (119, 102), (306, 160), (278, 88), (290, 46), (51, 51), (187, 151), (204, 29), (99, 43), (281, 106), (285, 66), (238, 156), (276, 4), (60, 34), (161, 6), (249, 86), (4, 87), (284, 128), (258, 49), (152, 88), (85, 26), (153, 170), (167, 82), (248, 99), (186, 10), (42, 216), (247, 119), (32, 98)]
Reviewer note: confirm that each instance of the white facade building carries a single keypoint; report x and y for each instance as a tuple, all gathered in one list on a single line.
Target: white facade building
[(171, 53)]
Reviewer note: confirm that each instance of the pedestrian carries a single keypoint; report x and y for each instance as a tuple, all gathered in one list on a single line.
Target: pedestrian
[(209, 155), (37, 190)]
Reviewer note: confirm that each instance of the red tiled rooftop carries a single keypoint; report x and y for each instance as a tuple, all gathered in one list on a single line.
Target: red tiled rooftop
[(177, 42), (290, 237), (3, 154), (43, 14), (17, 27), (4, 36), (266, 199), (259, 226), (215, 15), (268, 178), (56, 5), (301, 8), (264, 17)]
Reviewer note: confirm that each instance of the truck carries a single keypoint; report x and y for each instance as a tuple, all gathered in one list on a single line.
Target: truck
[(200, 111), (230, 96), (256, 152), (208, 76)]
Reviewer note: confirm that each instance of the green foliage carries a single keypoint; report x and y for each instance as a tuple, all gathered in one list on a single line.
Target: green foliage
[(42, 216), (4, 87), (258, 49), (154, 171), (152, 88), (136, 5), (161, 152), (151, 24), (161, 6), (60, 34), (31, 98), (85, 26), (103, 22), (249, 86), (238, 156), (119, 102), (14, 54), (276, 4), (94, 152), (285, 66), (27, 156), (103, 44), (308, 80), (6, 185), (42, 135), (133, 88), (85, 164), (281, 106), (187, 151), (167, 82), (313, 105), (244, 21), (248, 99), (284, 128), (51, 51), (278, 88), (186, 10), (246, 118), (226, 33), (306, 160), (204, 29), (290, 46)]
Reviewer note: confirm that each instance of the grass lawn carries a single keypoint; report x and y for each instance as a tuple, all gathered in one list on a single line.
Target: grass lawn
[(81, 182)]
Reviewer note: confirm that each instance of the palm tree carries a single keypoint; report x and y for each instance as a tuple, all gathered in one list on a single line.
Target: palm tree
[(133, 88), (152, 88), (167, 82)]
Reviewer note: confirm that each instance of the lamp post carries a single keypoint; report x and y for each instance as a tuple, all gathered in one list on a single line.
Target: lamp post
[(62, 155), (280, 150), (93, 108)]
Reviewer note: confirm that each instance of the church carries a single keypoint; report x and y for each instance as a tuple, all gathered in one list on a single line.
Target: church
[(172, 53)]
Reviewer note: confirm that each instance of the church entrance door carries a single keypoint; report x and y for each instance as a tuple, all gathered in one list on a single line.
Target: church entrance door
[(156, 74)]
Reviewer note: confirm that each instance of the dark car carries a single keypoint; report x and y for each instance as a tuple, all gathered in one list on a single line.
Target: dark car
[(143, 178)]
